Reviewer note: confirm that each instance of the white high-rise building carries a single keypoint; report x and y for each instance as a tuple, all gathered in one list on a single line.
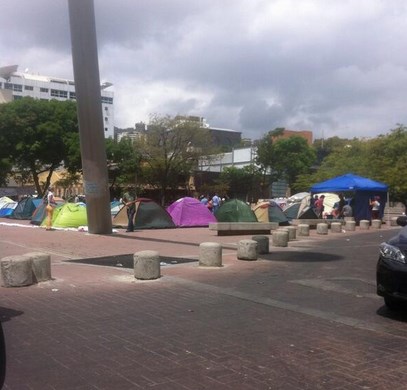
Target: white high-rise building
[(14, 85)]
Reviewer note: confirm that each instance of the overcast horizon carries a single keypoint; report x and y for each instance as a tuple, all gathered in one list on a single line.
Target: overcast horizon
[(335, 67)]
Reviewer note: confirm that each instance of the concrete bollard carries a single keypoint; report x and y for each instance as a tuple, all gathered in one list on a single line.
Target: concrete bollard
[(247, 250), (263, 245), (16, 271), (303, 229), (376, 223), (292, 232), (210, 254), (393, 221), (336, 227), (285, 229), (146, 265), (350, 226), (364, 224), (280, 238), (322, 228), (41, 266)]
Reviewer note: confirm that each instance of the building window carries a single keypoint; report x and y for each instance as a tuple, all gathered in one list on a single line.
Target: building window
[(107, 100), (14, 87), (106, 119), (28, 88), (106, 129), (45, 90), (59, 93), (17, 97), (72, 95)]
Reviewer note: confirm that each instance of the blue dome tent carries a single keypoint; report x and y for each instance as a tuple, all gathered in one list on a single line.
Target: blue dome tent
[(363, 190)]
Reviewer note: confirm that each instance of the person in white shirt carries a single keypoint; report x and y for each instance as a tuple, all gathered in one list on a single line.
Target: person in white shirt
[(50, 208), (375, 205), (215, 203)]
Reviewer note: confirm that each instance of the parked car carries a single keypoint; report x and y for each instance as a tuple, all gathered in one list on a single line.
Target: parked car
[(391, 271)]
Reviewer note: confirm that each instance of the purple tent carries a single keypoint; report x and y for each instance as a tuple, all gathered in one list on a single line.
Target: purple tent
[(190, 212)]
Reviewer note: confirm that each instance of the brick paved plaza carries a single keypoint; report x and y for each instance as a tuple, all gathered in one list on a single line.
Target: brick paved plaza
[(302, 317)]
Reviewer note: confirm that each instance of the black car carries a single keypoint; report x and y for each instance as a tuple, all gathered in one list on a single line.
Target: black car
[(391, 272)]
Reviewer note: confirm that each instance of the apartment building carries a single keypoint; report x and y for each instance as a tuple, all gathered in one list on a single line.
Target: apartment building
[(15, 85)]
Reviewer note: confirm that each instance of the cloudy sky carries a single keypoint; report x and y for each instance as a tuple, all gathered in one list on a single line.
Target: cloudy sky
[(336, 67)]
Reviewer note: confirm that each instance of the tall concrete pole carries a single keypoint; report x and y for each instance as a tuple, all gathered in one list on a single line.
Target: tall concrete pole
[(90, 116)]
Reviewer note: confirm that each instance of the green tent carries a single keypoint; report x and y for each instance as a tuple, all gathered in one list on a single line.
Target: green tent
[(148, 215), (69, 215), (235, 210)]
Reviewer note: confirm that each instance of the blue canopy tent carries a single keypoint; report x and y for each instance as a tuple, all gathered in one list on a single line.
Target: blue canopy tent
[(363, 189)]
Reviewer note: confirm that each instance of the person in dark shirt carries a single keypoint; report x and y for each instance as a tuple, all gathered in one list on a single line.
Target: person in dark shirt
[(129, 203)]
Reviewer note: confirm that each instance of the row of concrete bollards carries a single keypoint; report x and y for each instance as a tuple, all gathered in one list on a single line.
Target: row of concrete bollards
[(35, 267), (210, 253), (24, 270)]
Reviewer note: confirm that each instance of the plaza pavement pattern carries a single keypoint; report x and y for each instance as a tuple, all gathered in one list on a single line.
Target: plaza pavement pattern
[(302, 317)]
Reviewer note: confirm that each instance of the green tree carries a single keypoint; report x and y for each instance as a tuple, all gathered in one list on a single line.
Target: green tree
[(264, 151), (242, 183), (170, 152), (123, 162), (389, 162), (324, 147), (38, 130), (351, 156), (382, 158), (286, 158)]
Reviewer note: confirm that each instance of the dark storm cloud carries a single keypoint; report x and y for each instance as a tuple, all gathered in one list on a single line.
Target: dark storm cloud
[(336, 67)]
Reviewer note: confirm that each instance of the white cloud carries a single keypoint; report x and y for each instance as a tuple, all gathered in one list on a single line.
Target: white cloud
[(336, 67)]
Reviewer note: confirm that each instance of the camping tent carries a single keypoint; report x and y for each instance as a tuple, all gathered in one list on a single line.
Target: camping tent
[(300, 210), (4, 200), (7, 208), (69, 215), (149, 215), (329, 201), (115, 207), (235, 210), (362, 188), (190, 212), (25, 208), (298, 197), (270, 211)]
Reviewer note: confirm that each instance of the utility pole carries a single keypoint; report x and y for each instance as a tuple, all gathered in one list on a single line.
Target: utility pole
[(90, 116)]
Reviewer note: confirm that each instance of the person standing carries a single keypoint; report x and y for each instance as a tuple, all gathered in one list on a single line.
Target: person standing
[(215, 203), (129, 203), (341, 205), (50, 207), (204, 200), (313, 201), (375, 205), (319, 206)]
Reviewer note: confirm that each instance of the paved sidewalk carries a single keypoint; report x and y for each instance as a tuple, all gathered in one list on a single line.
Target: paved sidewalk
[(302, 317)]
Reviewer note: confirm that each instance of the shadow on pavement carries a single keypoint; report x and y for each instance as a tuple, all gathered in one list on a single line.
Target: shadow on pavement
[(300, 257), (133, 236), (397, 315), (7, 314), (126, 261)]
